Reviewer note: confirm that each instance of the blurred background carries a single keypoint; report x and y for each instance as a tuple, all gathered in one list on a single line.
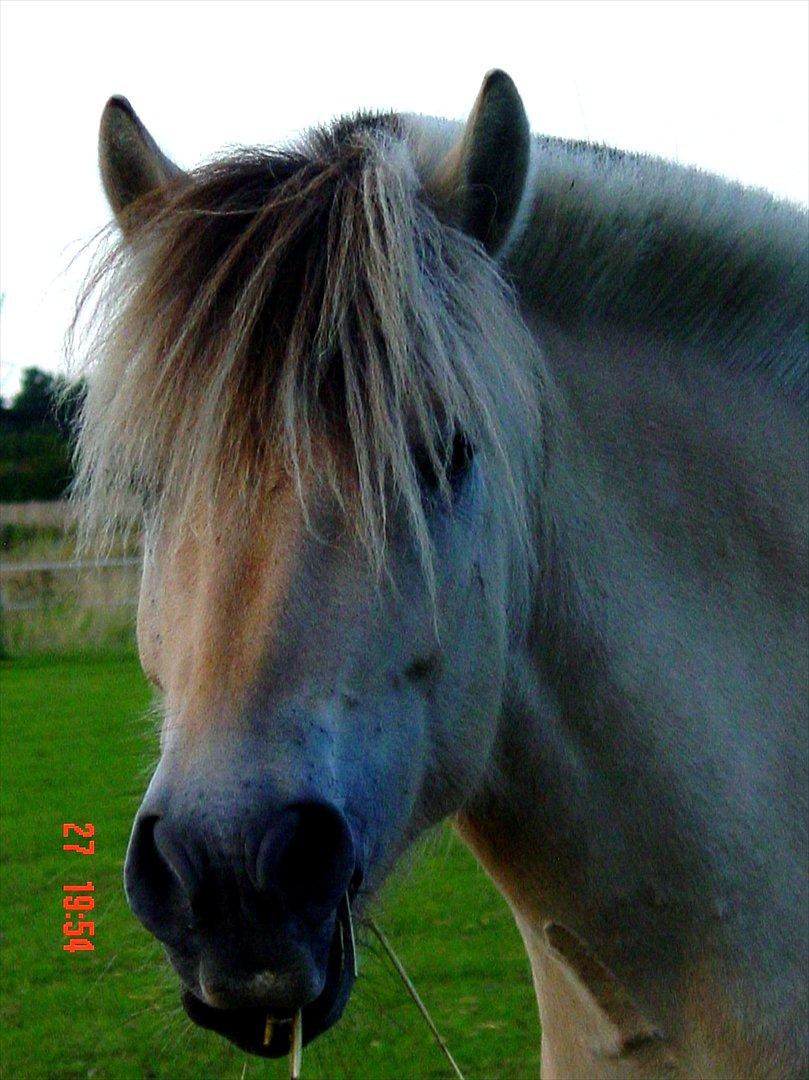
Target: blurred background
[(723, 86)]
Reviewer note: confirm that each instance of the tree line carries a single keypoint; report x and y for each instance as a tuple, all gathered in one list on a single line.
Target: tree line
[(35, 437)]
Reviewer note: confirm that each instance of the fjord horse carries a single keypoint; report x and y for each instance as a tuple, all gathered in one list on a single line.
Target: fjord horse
[(473, 473)]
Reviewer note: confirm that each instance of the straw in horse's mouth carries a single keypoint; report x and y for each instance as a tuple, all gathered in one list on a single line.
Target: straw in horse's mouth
[(266, 1033)]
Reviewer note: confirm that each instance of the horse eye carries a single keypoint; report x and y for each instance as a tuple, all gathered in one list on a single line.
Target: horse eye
[(461, 460), (457, 466)]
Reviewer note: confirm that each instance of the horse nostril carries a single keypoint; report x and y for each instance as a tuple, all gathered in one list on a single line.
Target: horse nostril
[(159, 879), (307, 855)]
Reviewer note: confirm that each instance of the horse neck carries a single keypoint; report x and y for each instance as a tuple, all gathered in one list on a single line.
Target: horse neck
[(638, 704), (673, 518), (646, 737)]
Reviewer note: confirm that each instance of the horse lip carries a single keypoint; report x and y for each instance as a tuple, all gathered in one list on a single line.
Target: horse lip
[(246, 1026)]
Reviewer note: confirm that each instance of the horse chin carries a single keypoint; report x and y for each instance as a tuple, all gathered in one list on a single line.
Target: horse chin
[(248, 1028)]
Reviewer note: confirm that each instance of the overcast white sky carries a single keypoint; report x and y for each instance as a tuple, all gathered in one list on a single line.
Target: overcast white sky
[(723, 85)]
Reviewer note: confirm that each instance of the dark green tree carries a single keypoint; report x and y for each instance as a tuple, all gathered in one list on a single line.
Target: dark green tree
[(35, 400), (35, 454)]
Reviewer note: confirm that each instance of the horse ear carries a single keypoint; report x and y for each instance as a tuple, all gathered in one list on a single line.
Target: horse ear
[(481, 180), (132, 164)]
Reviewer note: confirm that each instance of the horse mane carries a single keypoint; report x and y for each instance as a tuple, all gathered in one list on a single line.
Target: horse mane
[(303, 310), (611, 238), (308, 310)]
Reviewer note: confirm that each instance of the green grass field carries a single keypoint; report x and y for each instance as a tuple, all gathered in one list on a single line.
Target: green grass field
[(77, 744)]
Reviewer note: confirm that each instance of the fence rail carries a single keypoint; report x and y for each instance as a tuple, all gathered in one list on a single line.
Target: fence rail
[(66, 564), (39, 605)]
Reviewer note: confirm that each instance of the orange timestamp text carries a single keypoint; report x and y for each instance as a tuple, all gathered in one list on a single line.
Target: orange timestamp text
[(78, 900)]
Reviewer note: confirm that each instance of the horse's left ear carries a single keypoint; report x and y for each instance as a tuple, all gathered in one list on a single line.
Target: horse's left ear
[(481, 180)]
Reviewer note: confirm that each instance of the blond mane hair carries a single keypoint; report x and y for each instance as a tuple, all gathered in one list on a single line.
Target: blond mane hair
[(306, 309)]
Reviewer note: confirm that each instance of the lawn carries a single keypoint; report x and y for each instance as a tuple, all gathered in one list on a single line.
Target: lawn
[(77, 745)]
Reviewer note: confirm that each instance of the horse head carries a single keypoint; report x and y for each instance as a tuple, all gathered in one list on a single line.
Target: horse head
[(312, 389)]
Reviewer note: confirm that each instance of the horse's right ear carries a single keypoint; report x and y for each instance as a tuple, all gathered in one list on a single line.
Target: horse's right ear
[(480, 182), (132, 164)]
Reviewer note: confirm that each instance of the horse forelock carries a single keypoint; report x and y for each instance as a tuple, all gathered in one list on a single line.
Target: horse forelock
[(305, 308)]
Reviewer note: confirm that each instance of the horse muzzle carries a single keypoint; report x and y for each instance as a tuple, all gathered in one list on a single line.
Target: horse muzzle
[(256, 920)]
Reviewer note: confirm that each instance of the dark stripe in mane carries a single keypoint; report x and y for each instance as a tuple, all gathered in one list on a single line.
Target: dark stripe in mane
[(623, 240)]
